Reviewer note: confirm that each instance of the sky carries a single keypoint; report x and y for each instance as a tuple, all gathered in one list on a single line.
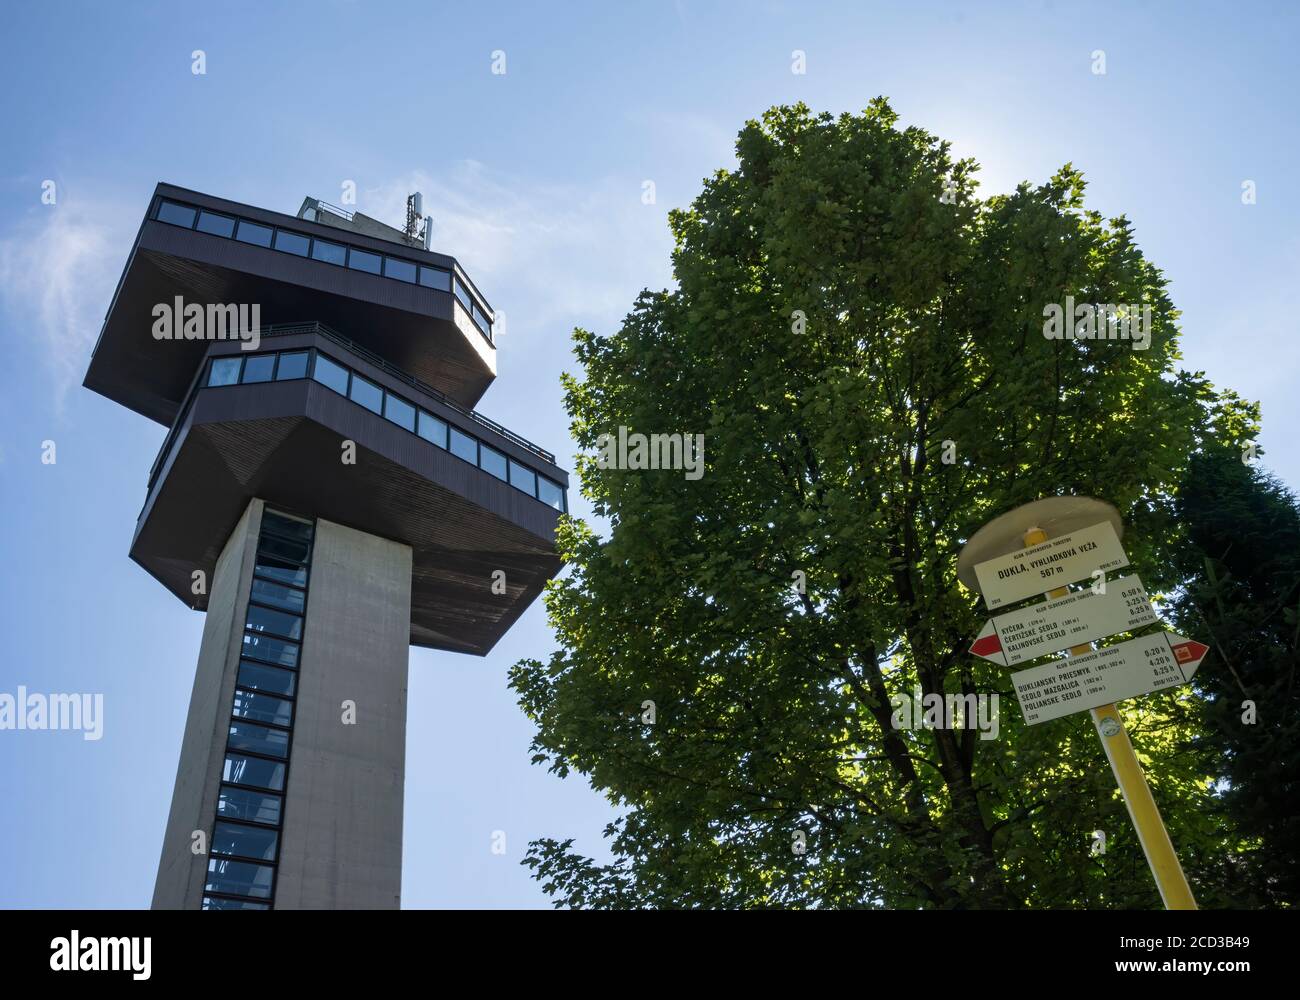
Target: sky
[(535, 179)]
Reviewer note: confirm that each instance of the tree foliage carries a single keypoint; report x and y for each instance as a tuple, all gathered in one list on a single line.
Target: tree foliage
[(1242, 591), (848, 314)]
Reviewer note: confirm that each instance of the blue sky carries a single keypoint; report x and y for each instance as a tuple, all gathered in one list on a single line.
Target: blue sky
[(535, 180)]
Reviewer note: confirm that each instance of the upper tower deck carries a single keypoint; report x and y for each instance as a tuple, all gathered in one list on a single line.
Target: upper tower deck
[(414, 307), (350, 400)]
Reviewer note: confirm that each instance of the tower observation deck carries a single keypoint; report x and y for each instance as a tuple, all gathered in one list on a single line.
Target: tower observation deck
[(329, 495)]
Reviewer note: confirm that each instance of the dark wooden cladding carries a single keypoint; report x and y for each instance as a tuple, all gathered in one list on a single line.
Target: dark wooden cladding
[(267, 217), (195, 253), (437, 407), (282, 441), (410, 325)]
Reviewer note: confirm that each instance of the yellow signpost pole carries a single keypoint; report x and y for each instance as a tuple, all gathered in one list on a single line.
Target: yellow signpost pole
[(1153, 836)]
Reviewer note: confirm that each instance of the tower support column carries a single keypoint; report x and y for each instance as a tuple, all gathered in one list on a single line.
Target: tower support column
[(343, 816), (332, 836)]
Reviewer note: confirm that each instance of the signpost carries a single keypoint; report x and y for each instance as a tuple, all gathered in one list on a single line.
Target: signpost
[(1126, 670), (1011, 559), (1080, 617), (1067, 559)]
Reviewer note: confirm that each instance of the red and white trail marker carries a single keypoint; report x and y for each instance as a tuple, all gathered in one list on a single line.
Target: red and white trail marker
[(1080, 617), (1126, 670)]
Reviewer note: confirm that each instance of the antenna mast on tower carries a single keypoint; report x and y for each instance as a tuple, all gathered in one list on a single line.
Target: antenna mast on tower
[(418, 228)]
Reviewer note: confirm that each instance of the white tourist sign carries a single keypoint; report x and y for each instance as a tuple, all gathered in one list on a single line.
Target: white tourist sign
[(1126, 670), (1081, 617), (1053, 563)]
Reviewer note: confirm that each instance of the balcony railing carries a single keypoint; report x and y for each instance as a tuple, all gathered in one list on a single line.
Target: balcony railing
[(321, 330), (334, 210), (285, 329)]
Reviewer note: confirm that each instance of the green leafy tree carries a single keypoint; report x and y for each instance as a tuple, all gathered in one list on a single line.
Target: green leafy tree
[(1242, 591), (860, 341)]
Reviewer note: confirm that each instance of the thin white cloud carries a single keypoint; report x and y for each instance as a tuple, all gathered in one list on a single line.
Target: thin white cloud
[(547, 254), (1227, 335), (551, 256), (698, 139), (58, 269)]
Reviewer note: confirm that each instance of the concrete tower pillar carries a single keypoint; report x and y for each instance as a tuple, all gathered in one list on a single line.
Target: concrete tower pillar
[(295, 778), (343, 817)]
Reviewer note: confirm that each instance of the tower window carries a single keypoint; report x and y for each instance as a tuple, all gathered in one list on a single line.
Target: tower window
[(177, 215)]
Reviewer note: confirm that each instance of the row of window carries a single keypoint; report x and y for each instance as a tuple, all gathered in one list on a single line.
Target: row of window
[(245, 846), (301, 245), (286, 365)]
